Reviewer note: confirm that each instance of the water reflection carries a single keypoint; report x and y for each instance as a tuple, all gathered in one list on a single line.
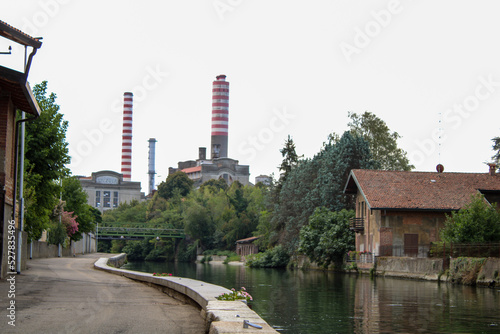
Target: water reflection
[(325, 302)]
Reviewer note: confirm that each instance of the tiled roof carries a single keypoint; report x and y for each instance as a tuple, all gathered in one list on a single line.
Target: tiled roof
[(247, 240), (192, 169), (16, 35), (419, 190)]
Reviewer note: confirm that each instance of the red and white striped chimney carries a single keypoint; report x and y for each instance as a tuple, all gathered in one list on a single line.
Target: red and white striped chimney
[(220, 117), (127, 137)]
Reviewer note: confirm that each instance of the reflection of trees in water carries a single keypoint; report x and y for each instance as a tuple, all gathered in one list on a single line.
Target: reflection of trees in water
[(396, 305)]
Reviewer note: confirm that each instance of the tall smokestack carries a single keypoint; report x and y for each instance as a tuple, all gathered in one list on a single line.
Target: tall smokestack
[(220, 117), (127, 137), (151, 164)]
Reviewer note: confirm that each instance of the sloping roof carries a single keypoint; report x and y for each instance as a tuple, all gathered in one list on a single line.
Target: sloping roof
[(418, 190), (16, 35), (247, 240), (191, 169), (15, 82)]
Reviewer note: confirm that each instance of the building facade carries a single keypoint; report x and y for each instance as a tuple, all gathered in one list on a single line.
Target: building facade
[(201, 170), (106, 190), (400, 213), (15, 94)]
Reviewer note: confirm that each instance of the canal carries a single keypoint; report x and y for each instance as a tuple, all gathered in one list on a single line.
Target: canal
[(325, 302)]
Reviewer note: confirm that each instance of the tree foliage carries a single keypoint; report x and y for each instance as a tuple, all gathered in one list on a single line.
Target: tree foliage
[(477, 222), (46, 154), (178, 181), (317, 182), (276, 257), (327, 238), (496, 148), (383, 142), (75, 199)]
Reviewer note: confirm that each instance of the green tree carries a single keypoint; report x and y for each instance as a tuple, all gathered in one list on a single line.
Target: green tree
[(383, 142), (214, 185), (199, 225), (477, 222), (132, 212), (317, 182), (496, 148), (46, 154), (290, 157), (178, 180), (327, 238), (76, 201)]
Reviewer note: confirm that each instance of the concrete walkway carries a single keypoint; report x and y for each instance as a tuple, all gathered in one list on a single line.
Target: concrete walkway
[(66, 295)]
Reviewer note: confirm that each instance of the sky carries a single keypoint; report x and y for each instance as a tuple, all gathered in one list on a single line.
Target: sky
[(429, 69)]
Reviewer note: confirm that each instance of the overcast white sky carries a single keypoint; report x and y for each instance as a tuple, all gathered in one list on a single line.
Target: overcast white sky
[(294, 67)]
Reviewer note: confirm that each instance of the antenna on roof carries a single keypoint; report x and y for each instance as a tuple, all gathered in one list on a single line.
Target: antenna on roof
[(440, 136)]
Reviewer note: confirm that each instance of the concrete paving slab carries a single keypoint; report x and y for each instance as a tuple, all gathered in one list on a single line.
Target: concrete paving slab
[(67, 295)]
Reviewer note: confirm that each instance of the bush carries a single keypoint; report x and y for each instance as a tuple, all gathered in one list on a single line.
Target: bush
[(477, 222), (272, 258), (187, 253), (232, 258)]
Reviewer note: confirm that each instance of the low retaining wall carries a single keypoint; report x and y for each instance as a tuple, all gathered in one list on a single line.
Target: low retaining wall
[(118, 260), (220, 316), (217, 258), (409, 267), (470, 271)]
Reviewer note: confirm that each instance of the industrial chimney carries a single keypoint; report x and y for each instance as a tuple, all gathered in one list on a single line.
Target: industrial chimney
[(127, 137), (220, 117), (151, 164)]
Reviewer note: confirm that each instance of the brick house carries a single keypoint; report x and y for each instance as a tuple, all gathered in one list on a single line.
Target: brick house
[(400, 213), (15, 94)]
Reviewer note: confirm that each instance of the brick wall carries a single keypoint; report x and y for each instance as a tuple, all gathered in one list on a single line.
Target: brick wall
[(7, 150)]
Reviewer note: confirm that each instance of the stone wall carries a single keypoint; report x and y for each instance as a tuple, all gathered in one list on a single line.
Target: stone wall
[(410, 267)]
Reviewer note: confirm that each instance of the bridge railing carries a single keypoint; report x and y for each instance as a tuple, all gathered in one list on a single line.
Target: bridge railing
[(136, 231)]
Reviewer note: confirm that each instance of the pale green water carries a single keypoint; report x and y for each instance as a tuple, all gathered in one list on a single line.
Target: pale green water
[(312, 302)]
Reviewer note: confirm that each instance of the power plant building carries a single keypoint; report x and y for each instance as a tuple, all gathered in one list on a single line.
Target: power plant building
[(107, 189), (219, 166)]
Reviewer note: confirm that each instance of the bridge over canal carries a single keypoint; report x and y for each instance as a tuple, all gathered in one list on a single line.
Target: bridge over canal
[(135, 231)]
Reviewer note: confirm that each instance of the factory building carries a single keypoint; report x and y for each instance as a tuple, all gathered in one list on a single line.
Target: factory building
[(107, 189), (219, 166)]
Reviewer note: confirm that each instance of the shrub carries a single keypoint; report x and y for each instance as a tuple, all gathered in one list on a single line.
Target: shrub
[(232, 258), (276, 257)]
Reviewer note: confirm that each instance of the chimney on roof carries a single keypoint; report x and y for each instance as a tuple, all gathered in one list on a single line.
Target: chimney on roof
[(493, 169)]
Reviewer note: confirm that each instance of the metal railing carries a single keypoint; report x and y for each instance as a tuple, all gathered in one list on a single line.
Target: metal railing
[(357, 224), (110, 231)]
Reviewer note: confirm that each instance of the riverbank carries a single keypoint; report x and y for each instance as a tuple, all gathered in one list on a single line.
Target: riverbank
[(462, 270), (219, 316)]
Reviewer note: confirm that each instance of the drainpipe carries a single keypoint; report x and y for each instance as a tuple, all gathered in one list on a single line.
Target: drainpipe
[(17, 166)]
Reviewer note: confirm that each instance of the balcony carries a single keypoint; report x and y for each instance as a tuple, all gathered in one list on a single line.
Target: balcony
[(358, 224)]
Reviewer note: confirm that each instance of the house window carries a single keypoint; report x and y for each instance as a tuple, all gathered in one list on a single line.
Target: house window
[(98, 199), (115, 199), (107, 199), (361, 212)]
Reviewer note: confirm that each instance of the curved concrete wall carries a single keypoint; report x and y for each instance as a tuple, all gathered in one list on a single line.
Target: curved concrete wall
[(220, 316)]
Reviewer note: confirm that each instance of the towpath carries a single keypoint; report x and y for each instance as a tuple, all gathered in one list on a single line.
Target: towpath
[(67, 295)]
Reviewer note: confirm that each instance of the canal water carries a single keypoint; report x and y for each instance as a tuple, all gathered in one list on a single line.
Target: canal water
[(312, 302)]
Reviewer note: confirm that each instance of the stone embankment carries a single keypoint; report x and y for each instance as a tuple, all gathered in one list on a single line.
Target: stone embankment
[(220, 316), (462, 270)]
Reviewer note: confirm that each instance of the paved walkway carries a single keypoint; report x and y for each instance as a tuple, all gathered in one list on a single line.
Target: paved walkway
[(67, 295)]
